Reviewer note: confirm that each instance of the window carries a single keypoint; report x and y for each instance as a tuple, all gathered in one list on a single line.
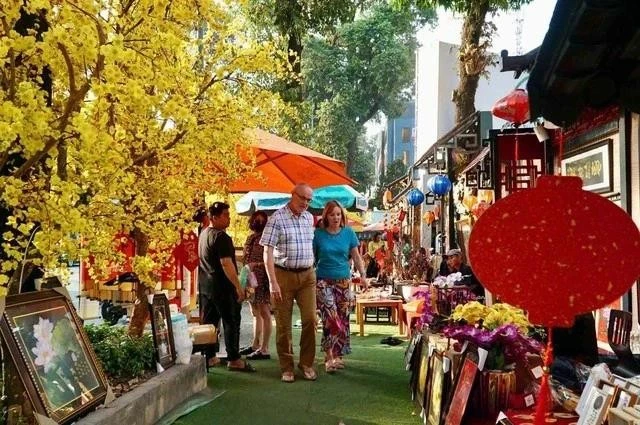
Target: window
[(406, 134), (405, 157)]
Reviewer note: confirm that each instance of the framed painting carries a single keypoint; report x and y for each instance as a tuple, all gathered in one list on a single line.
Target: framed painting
[(422, 377), (437, 390), (593, 165), (410, 353), (162, 331), (52, 354), (462, 389)]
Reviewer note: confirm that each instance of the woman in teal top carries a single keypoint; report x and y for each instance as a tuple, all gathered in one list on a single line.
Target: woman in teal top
[(334, 245)]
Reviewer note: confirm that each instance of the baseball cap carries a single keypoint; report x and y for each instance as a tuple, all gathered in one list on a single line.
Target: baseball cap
[(454, 251)]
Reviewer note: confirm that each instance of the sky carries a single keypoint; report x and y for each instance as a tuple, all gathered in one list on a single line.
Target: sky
[(535, 23)]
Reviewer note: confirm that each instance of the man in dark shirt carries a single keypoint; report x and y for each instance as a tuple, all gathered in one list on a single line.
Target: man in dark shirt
[(454, 264), (218, 285)]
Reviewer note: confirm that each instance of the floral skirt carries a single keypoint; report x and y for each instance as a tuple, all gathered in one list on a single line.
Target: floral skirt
[(334, 298)]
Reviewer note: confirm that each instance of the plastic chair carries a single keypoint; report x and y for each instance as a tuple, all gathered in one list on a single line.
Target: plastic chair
[(619, 335)]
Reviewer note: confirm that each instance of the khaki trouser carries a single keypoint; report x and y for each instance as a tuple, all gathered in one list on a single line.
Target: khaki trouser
[(299, 286)]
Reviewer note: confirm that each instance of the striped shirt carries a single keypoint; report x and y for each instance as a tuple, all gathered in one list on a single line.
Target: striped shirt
[(291, 236)]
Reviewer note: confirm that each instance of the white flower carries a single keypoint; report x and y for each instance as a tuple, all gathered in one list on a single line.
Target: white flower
[(44, 354), (453, 278), (43, 330)]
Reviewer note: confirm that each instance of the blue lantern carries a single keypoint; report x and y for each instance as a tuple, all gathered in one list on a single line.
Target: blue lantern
[(439, 184), (415, 197)]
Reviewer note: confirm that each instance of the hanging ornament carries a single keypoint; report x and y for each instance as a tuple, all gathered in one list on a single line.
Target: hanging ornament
[(415, 197), (387, 198), (469, 201), (429, 217), (436, 212), (514, 107), (439, 185), (569, 250), (401, 215), (485, 195), (479, 208)]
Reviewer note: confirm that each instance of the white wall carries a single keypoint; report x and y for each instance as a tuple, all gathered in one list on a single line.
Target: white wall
[(436, 78)]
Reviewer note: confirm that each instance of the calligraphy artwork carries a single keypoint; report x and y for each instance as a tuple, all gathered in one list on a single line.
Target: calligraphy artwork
[(594, 166)]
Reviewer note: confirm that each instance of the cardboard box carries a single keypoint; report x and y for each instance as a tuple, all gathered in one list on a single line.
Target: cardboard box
[(203, 334)]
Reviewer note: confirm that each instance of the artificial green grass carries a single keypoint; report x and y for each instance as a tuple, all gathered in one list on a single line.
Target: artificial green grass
[(372, 389)]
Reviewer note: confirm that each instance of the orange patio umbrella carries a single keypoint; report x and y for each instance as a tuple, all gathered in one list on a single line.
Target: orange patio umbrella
[(282, 164)]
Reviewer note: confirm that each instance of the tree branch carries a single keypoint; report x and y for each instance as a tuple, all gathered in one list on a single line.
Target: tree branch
[(152, 153), (67, 61), (73, 102)]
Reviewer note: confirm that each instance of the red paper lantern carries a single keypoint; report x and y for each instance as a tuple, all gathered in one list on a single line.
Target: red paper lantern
[(514, 107), (573, 253)]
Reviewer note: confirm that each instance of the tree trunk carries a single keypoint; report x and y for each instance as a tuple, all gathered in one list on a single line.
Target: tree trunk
[(141, 308), (352, 152), (471, 60)]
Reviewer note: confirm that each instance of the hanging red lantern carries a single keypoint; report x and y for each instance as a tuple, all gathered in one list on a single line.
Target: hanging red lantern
[(570, 249), (514, 107), (402, 215)]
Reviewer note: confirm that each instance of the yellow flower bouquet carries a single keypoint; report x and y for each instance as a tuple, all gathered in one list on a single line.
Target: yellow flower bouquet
[(501, 328)]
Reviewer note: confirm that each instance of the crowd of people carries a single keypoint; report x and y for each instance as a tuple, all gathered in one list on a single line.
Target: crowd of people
[(291, 258)]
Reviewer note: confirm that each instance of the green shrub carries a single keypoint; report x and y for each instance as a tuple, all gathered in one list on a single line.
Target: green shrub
[(122, 356)]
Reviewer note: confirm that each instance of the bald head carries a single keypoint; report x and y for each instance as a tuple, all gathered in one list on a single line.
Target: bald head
[(300, 188), (301, 196)]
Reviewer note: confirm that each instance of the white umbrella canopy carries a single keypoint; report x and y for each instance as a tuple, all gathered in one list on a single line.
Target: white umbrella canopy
[(347, 196)]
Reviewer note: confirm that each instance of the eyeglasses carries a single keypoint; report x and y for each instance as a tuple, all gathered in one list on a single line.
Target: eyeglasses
[(303, 197)]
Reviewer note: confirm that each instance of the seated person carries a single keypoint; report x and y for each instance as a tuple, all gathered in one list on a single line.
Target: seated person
[(455, 264), (372, 266)]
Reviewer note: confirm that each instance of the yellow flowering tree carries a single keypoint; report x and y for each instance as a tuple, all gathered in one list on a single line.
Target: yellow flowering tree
[(148, 102)]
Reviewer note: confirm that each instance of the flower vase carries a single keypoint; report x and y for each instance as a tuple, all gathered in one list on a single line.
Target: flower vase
[(491, 395)]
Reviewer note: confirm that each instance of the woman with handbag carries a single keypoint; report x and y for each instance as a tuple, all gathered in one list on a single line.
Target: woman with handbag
[(260, 304)]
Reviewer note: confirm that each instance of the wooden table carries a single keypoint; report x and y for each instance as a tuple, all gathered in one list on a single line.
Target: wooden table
[(394, 305)]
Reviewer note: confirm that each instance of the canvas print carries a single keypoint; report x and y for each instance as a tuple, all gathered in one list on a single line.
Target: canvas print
[(423, 375), (162, 332), (462, 392), (436, 393), (52, 354)]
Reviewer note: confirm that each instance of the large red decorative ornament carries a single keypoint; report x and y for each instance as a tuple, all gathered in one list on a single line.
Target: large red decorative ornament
[(555, 250), (514, 107)]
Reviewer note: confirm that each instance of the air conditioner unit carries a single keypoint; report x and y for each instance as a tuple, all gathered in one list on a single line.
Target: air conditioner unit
[(467, 141)]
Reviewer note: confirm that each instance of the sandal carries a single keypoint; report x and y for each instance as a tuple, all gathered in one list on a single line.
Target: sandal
[(329, 366), (246, 368), (287, 377), (338, 363), (308, 373), (258, 355)]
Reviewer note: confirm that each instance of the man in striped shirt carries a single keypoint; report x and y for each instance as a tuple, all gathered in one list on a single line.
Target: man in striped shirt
[(288, 256)]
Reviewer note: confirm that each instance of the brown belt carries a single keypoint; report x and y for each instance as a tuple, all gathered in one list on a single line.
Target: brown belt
[(291, 269)]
